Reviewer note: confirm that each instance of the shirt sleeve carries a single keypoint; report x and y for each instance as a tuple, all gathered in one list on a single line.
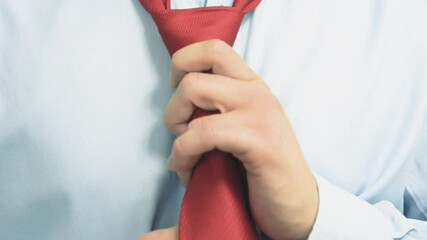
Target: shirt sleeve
[(342, 215)]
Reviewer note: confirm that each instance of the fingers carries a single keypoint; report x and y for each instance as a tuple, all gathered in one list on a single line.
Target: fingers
[(221, 131), (163, 234), (212, 55), (206, 91), (230, 88)]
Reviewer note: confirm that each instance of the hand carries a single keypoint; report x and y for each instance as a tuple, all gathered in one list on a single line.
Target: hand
[(251, 125), (163, 234)]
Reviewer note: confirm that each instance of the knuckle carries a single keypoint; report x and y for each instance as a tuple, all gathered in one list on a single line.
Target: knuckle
[(178, 147), (189, 80), (167, 116), (175, 61), (217, 45), (168, 122), (166, 113), (263, 98), (216, 49)]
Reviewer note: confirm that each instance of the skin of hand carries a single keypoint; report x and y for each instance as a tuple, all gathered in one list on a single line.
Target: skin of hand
[(252, 126)]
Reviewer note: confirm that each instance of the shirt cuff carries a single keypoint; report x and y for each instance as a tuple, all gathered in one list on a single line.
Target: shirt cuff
[(342, 215)]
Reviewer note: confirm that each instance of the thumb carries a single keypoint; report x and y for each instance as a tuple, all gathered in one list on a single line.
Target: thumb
[(162, 234)]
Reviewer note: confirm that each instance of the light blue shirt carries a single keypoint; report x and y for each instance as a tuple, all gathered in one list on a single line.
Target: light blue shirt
[(83, 87)]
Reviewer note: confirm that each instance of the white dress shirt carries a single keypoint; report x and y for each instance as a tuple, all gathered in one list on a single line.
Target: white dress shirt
[(83, 87)]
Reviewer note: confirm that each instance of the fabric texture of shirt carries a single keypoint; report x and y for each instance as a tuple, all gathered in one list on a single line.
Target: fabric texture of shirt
[(84, 84)]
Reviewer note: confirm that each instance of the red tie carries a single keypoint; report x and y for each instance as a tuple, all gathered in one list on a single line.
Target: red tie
[(215, 205)]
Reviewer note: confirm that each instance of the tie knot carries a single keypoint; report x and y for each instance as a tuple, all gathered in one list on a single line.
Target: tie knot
[(180, 28)]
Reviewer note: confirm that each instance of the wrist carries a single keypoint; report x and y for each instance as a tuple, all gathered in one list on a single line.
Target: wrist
[(294, 214), (304, 213)]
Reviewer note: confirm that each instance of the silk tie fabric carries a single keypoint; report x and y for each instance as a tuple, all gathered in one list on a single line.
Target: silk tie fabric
[(215, 205)]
